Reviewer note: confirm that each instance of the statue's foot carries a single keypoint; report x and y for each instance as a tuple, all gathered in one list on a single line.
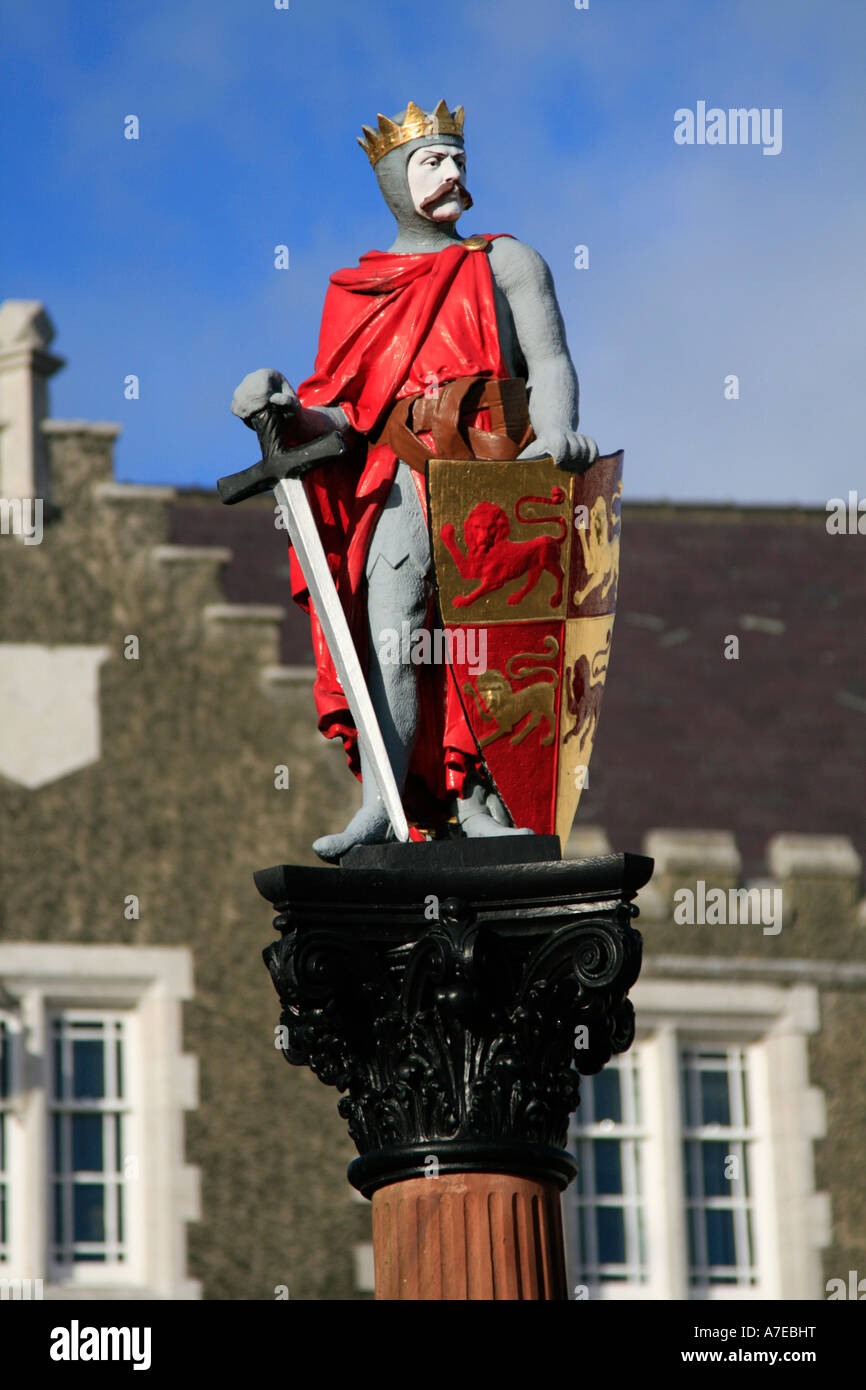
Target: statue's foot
[(480, 825), (369, 826)]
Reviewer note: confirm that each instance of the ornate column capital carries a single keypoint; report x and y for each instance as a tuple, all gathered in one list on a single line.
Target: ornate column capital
[(455, 1004)]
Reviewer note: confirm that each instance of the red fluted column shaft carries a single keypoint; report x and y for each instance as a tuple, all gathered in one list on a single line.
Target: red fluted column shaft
[(466, 1236)]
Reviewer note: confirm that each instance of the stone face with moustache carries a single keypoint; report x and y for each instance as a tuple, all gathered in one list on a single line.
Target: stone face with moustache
[(423, 184)]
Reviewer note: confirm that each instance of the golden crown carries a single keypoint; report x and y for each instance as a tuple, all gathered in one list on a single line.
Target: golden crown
[(416, 124)]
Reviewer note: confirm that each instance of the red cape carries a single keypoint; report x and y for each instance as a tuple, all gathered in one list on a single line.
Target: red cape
[(391, 327)]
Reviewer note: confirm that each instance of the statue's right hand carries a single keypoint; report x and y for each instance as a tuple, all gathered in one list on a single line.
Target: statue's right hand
[(261, 388)]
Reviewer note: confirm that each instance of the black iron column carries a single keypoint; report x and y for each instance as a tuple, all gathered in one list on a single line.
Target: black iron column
[(453, 990)]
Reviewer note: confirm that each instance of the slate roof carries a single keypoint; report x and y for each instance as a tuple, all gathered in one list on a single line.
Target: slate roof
[(773, 741)]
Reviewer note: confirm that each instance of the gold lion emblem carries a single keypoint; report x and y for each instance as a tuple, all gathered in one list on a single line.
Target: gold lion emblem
[(495, 698)]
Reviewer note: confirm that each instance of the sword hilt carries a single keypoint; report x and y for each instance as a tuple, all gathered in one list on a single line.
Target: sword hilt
[(277, 463)]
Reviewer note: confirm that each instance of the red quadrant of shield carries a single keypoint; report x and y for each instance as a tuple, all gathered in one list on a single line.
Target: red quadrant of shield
[(513, 710)]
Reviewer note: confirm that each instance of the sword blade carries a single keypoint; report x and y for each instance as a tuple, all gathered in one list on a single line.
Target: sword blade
[(304, 536)]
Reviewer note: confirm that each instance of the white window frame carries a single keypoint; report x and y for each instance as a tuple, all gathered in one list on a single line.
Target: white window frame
[(772, 1023), (738, 1138), (631, 1132), (106, 1271), (148, 984)]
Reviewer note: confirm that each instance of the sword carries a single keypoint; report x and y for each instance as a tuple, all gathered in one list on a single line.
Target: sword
[(281, 471)]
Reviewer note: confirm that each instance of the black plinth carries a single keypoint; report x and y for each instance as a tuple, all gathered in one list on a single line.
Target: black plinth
[(453, 990), (494, 852)]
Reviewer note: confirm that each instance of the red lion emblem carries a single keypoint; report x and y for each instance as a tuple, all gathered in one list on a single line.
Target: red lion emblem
[(584, 685), (494, 559)]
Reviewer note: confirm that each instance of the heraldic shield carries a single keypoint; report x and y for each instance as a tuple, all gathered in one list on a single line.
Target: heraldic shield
[(526, 559)]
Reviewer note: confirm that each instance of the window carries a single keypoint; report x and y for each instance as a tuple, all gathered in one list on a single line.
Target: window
[(696, 1173), (611, 1238), (93, 1085), (90, 1123), (716, 1159)]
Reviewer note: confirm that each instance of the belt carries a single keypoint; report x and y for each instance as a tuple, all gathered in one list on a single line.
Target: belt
[(440, 415)]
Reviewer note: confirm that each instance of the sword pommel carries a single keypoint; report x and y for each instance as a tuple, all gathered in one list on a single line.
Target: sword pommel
[(277, 464)]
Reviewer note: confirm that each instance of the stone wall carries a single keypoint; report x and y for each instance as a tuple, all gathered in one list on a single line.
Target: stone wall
[(178, 809), (821, 942), (191, 709)]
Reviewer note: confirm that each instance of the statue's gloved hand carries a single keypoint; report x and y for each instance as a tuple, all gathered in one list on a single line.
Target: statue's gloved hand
[(261, 388), (571, 451)]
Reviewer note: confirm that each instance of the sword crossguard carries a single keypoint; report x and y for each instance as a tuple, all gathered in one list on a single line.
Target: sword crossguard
[(277, 463)]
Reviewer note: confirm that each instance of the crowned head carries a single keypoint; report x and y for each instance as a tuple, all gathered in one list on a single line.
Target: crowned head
[(420, 165)]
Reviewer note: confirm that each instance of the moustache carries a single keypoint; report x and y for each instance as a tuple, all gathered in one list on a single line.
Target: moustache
[(449, 186)]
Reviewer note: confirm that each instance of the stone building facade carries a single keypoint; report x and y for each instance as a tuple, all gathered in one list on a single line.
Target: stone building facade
[(158, 743)]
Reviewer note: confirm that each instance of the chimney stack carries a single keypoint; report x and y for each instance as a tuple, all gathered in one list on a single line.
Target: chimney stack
[(25, 366)]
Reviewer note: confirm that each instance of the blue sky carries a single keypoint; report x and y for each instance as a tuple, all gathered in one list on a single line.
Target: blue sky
[(155, 256)]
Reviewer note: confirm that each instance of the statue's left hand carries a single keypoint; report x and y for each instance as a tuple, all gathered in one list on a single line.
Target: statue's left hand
[(573, 452)]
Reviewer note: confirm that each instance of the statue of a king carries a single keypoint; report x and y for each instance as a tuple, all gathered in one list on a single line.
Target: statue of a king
[(442, 346)]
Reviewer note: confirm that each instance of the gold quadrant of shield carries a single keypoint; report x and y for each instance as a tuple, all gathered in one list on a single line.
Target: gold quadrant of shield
[(496, 509), (587, 651)]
